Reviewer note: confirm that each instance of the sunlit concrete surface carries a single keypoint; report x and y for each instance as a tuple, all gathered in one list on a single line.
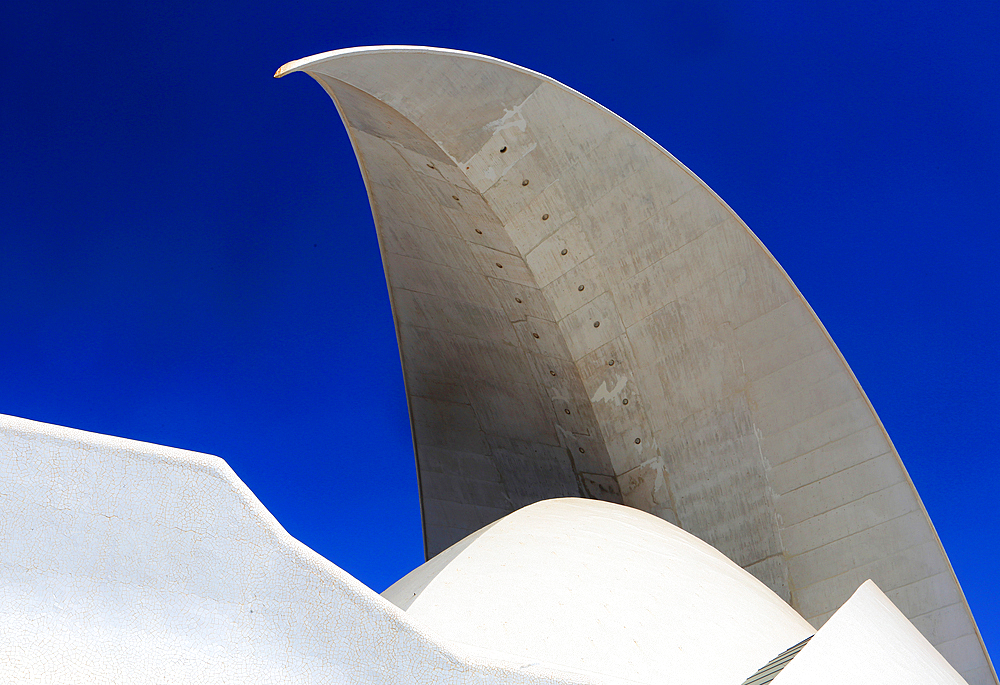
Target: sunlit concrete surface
[(578, 314), (606, 589), (868, 640), (126, 562)]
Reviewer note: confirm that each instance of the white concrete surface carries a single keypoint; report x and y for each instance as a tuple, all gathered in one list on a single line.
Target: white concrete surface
[(578, 314), (868, 641), (125, 562), (605, 589)]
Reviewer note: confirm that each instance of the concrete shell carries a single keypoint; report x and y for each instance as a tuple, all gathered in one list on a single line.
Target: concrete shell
[(605, 589), (579, 315), (868, 640)]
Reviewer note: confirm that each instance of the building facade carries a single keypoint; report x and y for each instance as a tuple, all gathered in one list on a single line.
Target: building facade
[(583, 324)]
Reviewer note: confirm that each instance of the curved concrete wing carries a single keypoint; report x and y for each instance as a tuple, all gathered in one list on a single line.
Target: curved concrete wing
[(125, 562), (578, 314), (605, 589)]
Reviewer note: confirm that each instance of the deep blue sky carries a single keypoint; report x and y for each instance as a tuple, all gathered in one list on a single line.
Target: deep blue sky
[(188, 256)]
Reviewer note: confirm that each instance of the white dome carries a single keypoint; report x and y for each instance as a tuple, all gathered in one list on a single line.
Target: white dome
[(602, 588)]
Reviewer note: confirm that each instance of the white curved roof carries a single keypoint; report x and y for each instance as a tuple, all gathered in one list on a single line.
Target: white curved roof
[(867, 640), (604, 589), (578, 314)]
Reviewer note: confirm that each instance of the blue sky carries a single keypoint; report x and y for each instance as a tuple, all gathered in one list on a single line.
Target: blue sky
[(188, 257)]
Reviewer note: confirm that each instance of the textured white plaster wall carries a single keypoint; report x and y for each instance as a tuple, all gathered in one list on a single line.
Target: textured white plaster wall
[(127, 562)]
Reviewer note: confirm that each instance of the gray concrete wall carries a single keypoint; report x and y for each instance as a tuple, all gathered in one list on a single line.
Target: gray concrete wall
[(578, 314)]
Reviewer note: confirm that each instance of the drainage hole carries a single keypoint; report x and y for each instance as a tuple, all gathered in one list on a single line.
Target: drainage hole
[(625, 401), (552, 372), (566, 410), (503, 149), (524, 182), (455, 198), (638, 440), (430, 166), (479, 232), (611, 362), (597, 324), (534, 335), (545, 217), (518, 300), (580, 288), (564, 252), (499, 265)]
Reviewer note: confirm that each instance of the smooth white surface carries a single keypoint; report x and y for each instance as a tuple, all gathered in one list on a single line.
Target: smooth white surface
[(126, 562), (868, 641), (606, 589)]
